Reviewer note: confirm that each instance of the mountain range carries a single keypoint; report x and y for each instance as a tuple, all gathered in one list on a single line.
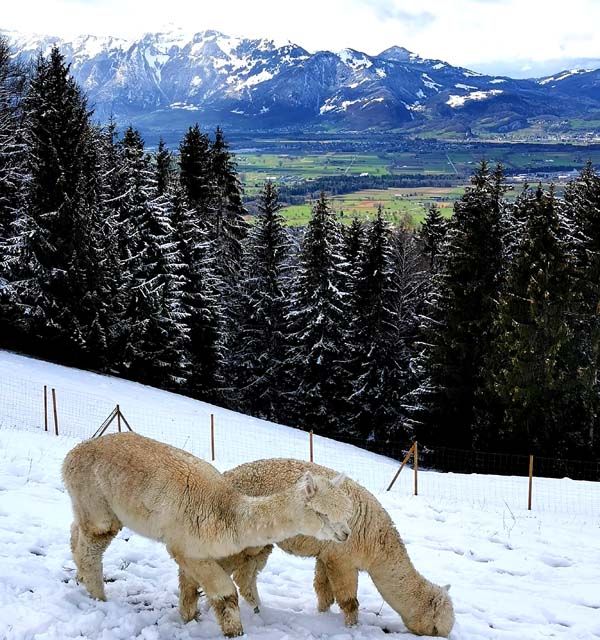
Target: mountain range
[(164, 81)]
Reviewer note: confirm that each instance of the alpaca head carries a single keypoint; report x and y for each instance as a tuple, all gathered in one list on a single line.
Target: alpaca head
[(327, 508), (433, 615)]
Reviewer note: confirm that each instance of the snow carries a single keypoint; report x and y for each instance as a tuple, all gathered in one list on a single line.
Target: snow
[(563, 76), (428, 82), (156, 61), (497, 81), (516, 575), (466, 87), (439, 65), (459, 101), (257, 78), (354, 59), (184, 105)]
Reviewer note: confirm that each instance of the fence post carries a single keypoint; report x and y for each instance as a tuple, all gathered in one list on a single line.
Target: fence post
[(119, 418), (530, 482), (55, 411), (406, 457), (212, 436), (416, 467), (310, 436), (45, 408)]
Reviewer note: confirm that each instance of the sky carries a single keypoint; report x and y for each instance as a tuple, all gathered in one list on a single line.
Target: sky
[(516, 37)]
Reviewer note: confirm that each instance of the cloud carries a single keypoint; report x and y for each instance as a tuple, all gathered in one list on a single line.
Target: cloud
[(389, 10)]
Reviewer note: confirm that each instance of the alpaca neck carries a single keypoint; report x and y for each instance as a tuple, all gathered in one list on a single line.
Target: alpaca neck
[(270, 519), (395, 577)]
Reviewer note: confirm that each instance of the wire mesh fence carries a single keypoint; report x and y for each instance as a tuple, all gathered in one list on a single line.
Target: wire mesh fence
[(486, 480)]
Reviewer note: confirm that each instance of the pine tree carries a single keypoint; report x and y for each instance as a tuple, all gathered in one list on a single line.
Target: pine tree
[(164, 169), (432, 234), (154, 350), (258, 350), (13, 179), (196, 174), (583, 205), (534, 365), (460, 312), (229, 227), (318, 319), (60, 226), (200, 303), (377, 389)]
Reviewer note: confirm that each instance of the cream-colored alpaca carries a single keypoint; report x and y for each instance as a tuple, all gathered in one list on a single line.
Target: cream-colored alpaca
[(375, 546), (169, 495)]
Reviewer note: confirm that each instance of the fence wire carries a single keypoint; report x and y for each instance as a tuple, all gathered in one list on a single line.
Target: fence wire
[(82, 406)]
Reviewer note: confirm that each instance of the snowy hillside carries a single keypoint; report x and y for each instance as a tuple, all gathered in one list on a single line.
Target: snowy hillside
[(515, 575)]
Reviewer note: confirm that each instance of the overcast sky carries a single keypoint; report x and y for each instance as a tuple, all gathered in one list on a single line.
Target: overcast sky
[(518, 36)]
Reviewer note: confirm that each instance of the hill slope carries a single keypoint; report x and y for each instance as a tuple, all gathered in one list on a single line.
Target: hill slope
[(514, 574)]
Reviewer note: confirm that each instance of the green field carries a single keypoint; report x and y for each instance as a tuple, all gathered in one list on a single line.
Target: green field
[(305, 161), (405, 207), (289, 168)]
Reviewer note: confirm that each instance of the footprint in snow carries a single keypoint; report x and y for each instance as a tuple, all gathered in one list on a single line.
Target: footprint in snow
[(555, 561)]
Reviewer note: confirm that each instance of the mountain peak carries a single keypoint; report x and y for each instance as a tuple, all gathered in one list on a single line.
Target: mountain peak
[(398, 54)]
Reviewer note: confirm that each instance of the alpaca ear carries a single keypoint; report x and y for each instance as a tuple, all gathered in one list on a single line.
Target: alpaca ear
[(308, 486), (338, 481), (446, 587)]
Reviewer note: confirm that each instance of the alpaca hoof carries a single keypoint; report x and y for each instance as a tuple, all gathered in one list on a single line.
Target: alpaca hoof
[(350, 609), (257, 609), (188, 615), (323, 607)]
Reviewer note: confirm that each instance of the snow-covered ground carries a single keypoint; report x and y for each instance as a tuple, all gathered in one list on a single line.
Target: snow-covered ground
[(515, 575)]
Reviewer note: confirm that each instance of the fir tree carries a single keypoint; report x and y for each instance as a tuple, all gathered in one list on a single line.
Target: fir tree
[(196, 174), (534, 371), (154, 349), (376, 390), (318, 319), (258, 351), (583, 205), (432, 234), (13, 180), (59, 231), (199, 302), (457, 330), (164, 169), (228, 227)]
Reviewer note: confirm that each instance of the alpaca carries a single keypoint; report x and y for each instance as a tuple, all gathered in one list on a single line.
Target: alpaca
[(375, 546), (171, 496)]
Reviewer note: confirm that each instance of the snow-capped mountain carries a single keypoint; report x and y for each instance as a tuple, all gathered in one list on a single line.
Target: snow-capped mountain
[(169, 79)]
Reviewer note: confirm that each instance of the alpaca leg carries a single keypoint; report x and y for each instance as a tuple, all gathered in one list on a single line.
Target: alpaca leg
[(89, 547), (322, 587), (218, 587), (188, 596), (344, 581), (246, 573), (74, 543)]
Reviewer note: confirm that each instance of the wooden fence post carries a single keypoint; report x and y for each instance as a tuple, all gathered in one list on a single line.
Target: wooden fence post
[(119, 418), (530, 482), (310, 436), (416, 458), (55, 411), (45, 408), (212, 436), (406, 458)]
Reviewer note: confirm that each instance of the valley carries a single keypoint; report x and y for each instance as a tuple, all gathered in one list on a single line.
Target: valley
[(404, 176)]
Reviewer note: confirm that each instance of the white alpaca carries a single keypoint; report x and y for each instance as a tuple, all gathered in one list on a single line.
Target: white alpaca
[(375, 546), (169, 495)]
